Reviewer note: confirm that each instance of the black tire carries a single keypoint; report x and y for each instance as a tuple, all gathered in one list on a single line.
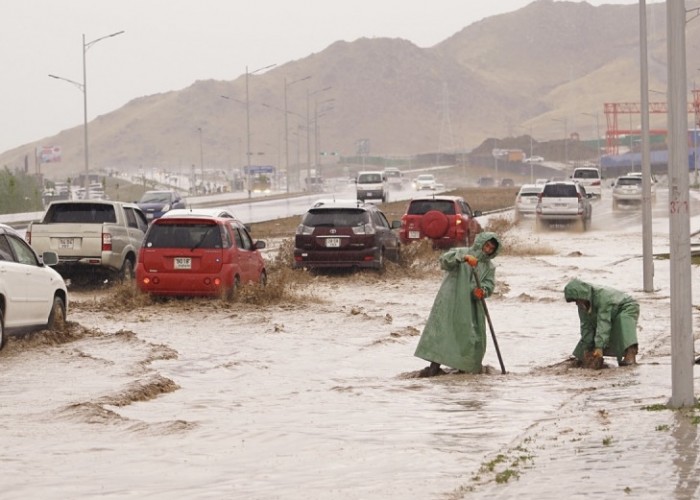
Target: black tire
[(57, 316), (263, 278), (126, 273), (231, 293), (2, 330), (380, 268)]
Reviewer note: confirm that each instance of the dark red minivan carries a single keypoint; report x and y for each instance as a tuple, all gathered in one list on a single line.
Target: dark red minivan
[(198, 256)]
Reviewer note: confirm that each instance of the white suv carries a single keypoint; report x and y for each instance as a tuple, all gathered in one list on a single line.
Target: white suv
[(589, 178)]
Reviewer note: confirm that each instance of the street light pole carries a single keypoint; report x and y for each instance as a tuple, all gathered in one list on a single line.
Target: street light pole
[(83, 88), (597, 134), (201, 155), (247, 124), (286, 126), (566, 142), (308, 129)]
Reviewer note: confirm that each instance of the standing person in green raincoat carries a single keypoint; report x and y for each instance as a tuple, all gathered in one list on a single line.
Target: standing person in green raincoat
[(455, 333), (608, 324)]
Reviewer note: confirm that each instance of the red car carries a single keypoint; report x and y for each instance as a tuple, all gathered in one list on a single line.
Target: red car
[(198, 256), (448, 221)]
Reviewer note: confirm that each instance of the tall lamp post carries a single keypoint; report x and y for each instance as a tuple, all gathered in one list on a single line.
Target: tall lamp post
[(308, 128), (247, 122), (201, 155), (566, 139), (286, 125), (83, 88), (597, 133)]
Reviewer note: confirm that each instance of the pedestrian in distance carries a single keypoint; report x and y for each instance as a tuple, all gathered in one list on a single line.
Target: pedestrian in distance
[(455, 333), (608, 320)]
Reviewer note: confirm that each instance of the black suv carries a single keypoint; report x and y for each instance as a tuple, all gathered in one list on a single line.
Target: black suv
[(337, 234)]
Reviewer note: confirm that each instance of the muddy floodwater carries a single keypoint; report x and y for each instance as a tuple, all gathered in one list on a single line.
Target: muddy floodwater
[(316, 398)]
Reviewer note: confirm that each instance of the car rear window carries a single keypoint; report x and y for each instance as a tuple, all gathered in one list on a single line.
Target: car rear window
[(533, 192), (559, 191), (586, 174), (336, 217), (91, 213), (629, 181), (422, 207), (183, 235)]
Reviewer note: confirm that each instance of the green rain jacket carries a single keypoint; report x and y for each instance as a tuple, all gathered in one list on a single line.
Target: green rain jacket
[(609, 324), (455, 333)]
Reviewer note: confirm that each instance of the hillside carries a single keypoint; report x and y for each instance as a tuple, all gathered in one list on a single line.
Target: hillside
[(535, 71)]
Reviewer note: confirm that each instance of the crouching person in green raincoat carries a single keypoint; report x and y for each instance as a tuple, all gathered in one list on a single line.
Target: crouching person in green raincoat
[(608, 324), (455, 333)]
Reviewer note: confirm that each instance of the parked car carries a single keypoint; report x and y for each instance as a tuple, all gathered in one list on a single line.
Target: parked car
[(627, 190), (32, 295), (563, 203), (589, 178), (155, 203), (507, 182), (424, 181), (446, 220), (336, 234), (198, 256), (526, 200)]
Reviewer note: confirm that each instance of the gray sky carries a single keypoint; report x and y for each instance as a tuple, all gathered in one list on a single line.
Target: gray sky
[(170, 44)]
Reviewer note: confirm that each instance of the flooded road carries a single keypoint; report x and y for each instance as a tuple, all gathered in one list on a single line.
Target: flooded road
[(315, 397)]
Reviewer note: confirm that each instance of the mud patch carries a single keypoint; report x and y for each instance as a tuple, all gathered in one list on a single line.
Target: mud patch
[(141, 390)]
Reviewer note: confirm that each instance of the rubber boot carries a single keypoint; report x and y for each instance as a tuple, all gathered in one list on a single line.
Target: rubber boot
[(630, 356), (434, 369)]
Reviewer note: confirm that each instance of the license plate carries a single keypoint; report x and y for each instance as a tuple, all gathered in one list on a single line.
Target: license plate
[(65, 243), (414, 235), (149, 216), (332, 242), (182, 263)]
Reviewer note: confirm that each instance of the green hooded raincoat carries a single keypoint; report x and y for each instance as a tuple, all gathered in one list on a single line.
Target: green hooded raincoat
[(455, 333), (609, 324)]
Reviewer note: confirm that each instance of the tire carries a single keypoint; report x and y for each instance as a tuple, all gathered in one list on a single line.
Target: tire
[(263, 278), (57, 316), (232, 292), (2, 330), (435, 224), (126, 273), (380, 268)]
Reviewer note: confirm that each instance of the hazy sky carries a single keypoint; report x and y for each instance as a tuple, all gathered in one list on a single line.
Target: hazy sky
[(170, 44)]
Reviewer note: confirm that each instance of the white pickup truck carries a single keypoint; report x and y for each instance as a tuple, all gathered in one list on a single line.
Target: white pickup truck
[(91, 237)]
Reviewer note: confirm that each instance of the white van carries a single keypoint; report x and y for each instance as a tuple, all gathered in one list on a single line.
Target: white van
[(589, 178), (371, 185)]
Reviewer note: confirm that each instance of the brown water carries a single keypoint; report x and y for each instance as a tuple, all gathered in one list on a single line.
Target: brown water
[(187, 399)]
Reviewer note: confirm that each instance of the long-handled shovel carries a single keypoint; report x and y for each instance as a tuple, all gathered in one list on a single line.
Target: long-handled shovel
[(488, 318)]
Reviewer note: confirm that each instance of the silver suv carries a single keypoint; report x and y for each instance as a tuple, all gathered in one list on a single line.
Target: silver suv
[(563, 203)]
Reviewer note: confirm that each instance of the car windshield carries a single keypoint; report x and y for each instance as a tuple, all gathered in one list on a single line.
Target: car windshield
[(335, 217), (426, 178), (184, 235), (629, 181), (155, 198), (369, 178), (421, 207)]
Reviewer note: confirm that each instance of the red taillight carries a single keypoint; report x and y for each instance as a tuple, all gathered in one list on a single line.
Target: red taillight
[(106, 242)]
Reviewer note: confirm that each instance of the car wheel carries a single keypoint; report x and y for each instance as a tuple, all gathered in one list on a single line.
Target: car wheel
[(263, 278), (126, 273), (57, 316), (435, 224), (2, 330), (232, 292)]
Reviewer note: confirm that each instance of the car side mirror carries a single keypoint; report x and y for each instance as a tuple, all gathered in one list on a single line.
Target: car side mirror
[(49, 258), (477, 213), (260, 244)]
